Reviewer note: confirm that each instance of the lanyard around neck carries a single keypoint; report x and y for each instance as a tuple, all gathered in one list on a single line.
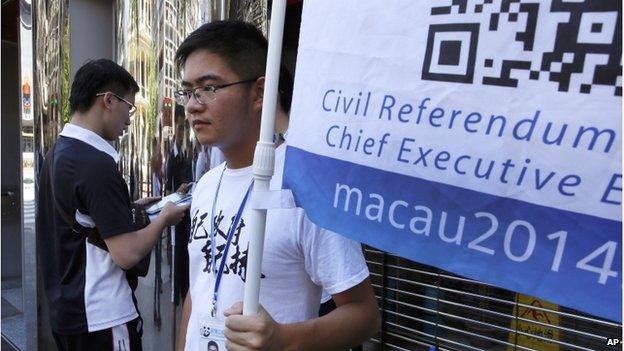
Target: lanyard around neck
[(230, 236)]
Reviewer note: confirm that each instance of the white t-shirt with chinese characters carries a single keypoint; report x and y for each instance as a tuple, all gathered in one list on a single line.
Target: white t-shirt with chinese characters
[(300, 259)]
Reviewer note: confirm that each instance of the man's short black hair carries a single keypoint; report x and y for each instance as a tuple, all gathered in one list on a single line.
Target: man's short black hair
[(240, 44), (98, 76)]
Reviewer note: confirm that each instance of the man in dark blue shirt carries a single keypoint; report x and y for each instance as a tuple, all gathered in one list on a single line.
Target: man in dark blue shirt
[(90, 299)]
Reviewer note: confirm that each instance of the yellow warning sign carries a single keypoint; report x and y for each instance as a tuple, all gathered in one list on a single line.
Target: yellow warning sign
[(531, 309)]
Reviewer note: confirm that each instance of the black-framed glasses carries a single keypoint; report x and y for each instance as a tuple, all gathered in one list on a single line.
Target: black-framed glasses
[(204, 94), (133, 108)]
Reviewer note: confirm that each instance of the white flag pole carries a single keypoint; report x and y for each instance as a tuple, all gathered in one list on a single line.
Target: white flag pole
[(264, 158)]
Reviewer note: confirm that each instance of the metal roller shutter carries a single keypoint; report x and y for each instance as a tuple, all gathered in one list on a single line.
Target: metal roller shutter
[(423, 306)]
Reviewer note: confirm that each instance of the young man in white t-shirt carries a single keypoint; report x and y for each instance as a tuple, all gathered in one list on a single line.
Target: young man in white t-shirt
[(223, 66)]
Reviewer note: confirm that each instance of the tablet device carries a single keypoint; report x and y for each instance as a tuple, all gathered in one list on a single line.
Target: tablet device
[(176, 198)]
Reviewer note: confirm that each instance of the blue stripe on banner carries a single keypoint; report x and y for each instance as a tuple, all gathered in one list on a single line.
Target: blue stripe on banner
[(567, 258)]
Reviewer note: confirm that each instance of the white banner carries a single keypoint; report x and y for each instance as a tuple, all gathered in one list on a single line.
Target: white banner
[(484, 131)]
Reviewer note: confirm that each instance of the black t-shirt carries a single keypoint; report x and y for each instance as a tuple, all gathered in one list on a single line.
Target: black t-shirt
[(86, 290)]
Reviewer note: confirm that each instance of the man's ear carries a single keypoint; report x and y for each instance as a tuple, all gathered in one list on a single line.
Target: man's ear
[(258, 94), (107, 101)]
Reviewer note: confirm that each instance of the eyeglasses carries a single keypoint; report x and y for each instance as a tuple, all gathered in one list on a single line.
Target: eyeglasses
[(132, 107), (204, 94)]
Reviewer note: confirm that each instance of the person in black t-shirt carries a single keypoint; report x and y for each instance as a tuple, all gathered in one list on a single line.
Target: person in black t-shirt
[(90, 299), (179, 174)]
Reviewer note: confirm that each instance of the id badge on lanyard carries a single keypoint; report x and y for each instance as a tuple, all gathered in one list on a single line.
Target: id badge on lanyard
[(211, 333), (211, 329)]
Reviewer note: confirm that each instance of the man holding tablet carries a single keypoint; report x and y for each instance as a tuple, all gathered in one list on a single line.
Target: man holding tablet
[(87, 229)]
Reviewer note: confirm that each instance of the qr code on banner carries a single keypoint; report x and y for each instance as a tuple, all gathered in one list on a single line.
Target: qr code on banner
[(575, 45)]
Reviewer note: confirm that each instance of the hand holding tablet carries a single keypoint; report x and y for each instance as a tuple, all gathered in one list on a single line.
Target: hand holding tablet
[(176, 198)]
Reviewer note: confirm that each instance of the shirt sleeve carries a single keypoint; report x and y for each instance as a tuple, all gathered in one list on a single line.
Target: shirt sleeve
[(332, 261), (104, 195)]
